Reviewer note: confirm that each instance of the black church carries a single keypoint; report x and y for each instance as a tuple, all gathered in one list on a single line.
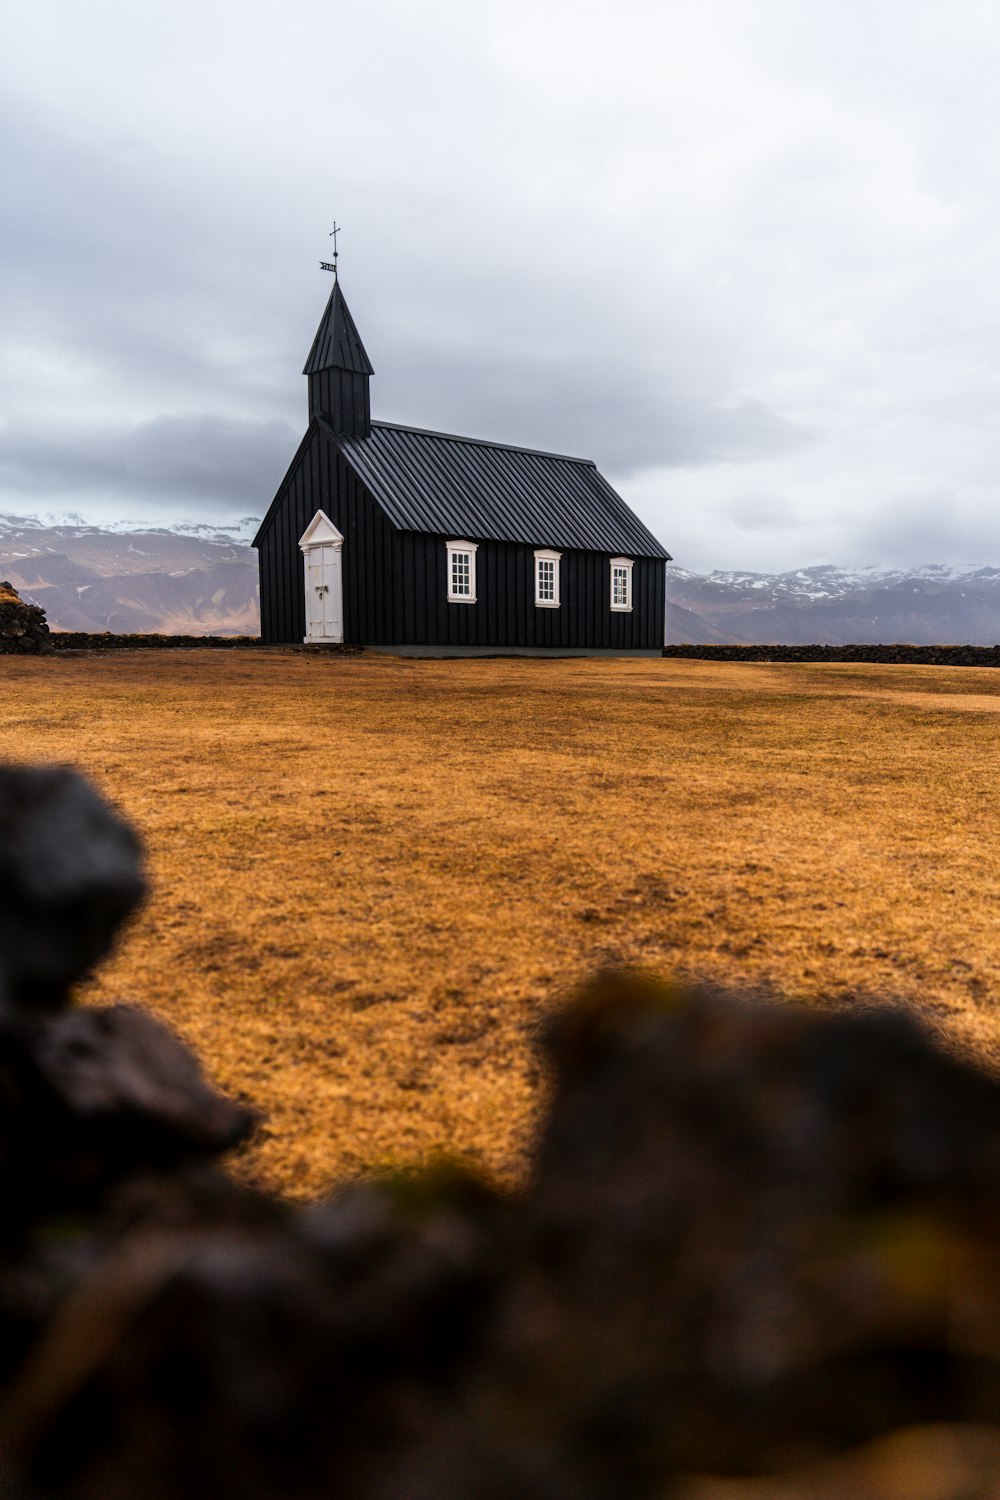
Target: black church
[(424, 543)]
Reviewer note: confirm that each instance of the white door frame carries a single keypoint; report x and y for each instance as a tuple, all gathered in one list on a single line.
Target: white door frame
[(322, 560)]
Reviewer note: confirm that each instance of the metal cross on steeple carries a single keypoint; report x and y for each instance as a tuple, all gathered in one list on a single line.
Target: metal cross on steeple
[(331, 265)]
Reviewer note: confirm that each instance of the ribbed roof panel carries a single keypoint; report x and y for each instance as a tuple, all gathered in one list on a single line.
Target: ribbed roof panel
[(463, 487), (337, 344)]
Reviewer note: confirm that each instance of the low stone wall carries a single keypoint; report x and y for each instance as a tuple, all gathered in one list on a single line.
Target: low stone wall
[(84, 640), (902, 655), (936, 656)]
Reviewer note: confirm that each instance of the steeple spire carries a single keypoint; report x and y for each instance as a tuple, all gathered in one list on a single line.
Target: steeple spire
[(339, 370)]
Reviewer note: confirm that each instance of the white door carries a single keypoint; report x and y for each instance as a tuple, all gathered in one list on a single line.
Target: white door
[(322, 557)]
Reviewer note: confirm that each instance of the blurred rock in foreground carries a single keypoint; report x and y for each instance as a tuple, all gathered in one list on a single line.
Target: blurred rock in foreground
[(920, 1463), (760, 1246)]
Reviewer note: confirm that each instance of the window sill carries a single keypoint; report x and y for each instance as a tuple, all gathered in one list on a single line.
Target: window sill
[(462, 599), (621, 609), (546, 603)]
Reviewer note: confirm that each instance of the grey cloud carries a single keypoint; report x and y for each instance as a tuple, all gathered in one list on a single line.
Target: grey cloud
[(135, 298), (605, 411), (182, 461), (729, 256), (766, 513), (111, 268), (939, 527)]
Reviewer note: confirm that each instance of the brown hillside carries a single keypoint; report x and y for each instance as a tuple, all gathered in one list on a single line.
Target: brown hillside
[(86, 578)]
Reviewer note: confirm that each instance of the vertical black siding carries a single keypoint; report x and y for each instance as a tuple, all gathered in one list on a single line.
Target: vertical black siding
[(505, 613), (343, 398), (322, 481)]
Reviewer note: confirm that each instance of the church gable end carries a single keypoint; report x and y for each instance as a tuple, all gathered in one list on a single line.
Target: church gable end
[(320, 480)]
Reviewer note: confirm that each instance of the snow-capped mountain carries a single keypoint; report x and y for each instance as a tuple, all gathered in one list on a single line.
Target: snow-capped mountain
[(198, 578), (934, 604), (188, 579)]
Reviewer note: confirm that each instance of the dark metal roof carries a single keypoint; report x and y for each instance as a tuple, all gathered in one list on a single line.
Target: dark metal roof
[(337, 343), (470, 489)]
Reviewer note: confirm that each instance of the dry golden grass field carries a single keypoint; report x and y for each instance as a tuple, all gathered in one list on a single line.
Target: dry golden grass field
[(372, 876)]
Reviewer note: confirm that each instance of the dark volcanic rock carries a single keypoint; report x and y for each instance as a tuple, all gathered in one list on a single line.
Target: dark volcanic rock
[(304, 1359), (87, 1097), (756, 1236), (95, 1096), (888, 655), (70, 873), (22, 626), (82, 640)]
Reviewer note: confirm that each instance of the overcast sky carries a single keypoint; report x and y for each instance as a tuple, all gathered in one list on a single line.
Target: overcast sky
[(745, 254)]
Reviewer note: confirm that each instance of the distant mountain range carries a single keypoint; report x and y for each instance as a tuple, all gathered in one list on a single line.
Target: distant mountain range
[(937, 604), (202, 580), (178, 580)]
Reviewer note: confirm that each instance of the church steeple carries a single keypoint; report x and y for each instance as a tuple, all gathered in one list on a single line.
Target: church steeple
[(339, 370)]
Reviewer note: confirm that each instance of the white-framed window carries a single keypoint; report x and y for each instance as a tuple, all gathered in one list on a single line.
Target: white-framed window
[(621, 583), (461, 572), (546, 578)]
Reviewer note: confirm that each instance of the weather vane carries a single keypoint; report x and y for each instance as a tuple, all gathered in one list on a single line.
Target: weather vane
[(331, 265)]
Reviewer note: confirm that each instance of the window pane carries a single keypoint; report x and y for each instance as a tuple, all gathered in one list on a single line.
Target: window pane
[(461, 573)]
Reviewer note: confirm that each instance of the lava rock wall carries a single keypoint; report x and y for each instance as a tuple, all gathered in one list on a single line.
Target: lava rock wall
[(900, 655), (23, 630)]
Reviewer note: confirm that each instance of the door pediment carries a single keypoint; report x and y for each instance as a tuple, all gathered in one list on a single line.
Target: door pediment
[(320, 532)]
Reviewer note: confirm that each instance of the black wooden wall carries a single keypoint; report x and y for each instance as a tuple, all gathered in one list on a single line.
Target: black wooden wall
[(505, 613), (343, 398), (396, 583), (320, 480)]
